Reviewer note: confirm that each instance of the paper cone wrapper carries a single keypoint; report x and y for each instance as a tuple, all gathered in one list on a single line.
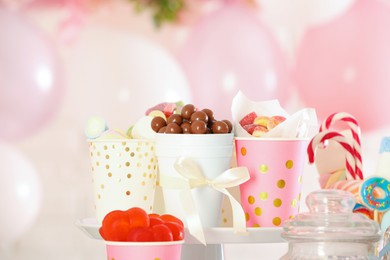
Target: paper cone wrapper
[(144, 250), (124, 175), (272, 195)]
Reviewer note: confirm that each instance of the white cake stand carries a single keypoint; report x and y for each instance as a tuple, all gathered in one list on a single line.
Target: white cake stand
[(215, 238)]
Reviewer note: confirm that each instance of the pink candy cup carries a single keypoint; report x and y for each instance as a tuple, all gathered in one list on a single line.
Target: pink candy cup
[(272, 195), (144, 250)]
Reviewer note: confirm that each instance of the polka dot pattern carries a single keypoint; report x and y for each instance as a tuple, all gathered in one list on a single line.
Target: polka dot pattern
[(124, 174), (258, 211), (273, 193), (251, 200), (263, 195), (277, 203), (289, 164), (263, 168), (281, 184)]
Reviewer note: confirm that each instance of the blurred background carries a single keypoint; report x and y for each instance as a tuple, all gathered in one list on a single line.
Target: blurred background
[(63, 61)]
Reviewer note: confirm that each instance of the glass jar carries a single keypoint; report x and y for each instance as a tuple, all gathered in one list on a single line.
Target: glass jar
[(330, 230)]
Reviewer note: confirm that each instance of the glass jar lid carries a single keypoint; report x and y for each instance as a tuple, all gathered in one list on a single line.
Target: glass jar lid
[(331, 219)]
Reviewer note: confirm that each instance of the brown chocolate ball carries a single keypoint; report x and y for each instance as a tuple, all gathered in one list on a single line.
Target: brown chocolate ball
[(210, 114), (173, 128), (162, 130), (220, 127), (230, 125), (210, 123), (187, 111), (198, 127), (186, 127), (175, 118), (157, 123), (199, 116)]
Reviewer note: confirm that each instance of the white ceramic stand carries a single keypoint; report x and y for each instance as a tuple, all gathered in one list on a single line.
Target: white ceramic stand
[(201, 252), (215, 238)]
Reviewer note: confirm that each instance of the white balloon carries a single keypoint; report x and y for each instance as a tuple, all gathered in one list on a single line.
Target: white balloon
[(309, 12), (323, 11), (118, 75), (291, 18), (20, 194)]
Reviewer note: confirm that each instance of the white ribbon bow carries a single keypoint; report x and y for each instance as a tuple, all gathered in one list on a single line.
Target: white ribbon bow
[(194, 178)]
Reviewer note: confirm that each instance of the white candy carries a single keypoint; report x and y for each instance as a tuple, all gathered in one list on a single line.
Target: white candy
[(143, 129), (95, 127)]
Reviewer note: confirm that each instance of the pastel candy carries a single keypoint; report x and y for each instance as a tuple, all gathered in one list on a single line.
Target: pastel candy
[(143, 129), (385, 145), (361, 209), (352, 186), (323, 179), (155, 113), (95, 127), (335, 177), (383, 166), (113, 134)]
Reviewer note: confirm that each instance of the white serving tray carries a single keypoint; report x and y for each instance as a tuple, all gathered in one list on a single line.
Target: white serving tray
[(217, 235)]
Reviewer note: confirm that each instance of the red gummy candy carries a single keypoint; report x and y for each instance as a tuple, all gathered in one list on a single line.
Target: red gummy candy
[(166, 107), (248, 119), (176, 229), (140, 234), (250, 128), (135, 225), (115, 226), (138, 217), (171, 218), (161, 232), (155, 219)]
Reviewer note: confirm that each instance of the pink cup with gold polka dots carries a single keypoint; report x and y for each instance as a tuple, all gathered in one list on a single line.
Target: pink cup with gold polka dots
[(124, 174), (272, 195), (144, 250)]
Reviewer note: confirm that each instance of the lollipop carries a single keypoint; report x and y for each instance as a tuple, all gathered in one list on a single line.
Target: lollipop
[(319, 141), (355, 130)]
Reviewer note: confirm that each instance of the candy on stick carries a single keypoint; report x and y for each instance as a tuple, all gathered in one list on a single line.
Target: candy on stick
[(370, 199), (355, 130), (322, 137), (372, 194), (353, 186)]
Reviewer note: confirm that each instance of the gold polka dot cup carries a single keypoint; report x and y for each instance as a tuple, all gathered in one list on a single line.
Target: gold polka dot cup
[(272, 195), (124, 175)]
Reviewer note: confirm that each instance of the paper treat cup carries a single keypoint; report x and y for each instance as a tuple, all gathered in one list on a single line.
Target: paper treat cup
[(272, 195), (124, 175), (213, 157), (144, 250)]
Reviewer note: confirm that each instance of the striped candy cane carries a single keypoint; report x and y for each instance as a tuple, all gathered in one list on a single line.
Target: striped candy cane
[(355, 130), (321, 137)]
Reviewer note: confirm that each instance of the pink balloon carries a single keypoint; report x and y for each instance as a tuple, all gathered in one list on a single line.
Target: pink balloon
[(231, 50), (20, 194), (30, 82), (120, 78), (344, 65)]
